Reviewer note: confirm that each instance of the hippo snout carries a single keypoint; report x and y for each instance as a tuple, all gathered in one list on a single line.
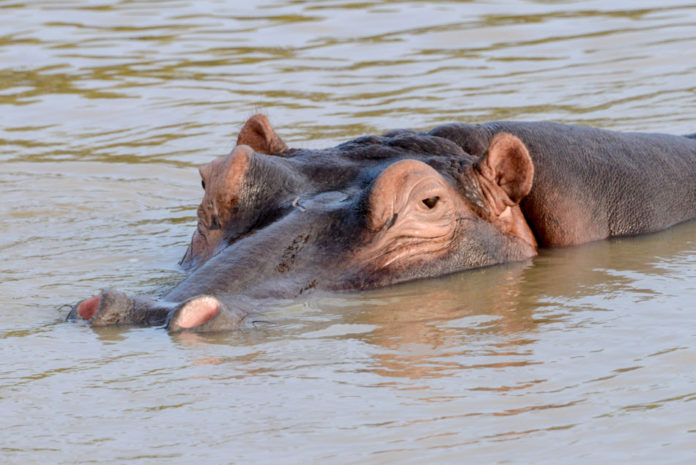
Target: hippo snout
[(115, 308), (204, 313)]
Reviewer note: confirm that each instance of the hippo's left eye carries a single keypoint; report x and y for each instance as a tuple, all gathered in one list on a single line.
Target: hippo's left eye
[(430, 202)]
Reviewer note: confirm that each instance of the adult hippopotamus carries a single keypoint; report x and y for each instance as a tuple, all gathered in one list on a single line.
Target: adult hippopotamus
[(277, 222)]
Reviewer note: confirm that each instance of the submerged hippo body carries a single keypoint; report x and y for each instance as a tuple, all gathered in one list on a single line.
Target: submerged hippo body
[(277, 222)]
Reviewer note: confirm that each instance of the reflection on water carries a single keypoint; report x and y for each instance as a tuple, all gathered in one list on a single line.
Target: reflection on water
[(428, 326), (106, 109)]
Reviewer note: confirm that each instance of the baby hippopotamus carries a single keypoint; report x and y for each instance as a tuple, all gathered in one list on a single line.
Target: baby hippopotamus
[(277, 222)]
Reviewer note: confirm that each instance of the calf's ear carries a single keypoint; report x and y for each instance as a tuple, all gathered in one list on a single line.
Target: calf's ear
[(258, 134), (507, 171)]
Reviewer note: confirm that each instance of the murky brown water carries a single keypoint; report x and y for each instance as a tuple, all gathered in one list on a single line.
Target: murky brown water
[(106, 108)]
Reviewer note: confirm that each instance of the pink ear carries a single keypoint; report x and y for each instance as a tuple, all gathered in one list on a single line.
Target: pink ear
[(508, 165), (258, 134)]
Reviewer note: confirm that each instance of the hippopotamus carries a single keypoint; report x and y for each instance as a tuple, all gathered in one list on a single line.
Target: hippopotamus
[(278, 222)]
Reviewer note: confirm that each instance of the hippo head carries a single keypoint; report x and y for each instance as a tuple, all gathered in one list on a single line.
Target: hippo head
[(377, 210), (276, 222)]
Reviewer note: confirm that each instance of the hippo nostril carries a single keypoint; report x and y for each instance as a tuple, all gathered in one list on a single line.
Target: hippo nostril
[(215, 223), (87, 308)]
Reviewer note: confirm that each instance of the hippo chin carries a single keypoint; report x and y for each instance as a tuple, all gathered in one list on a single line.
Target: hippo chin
[(278, 222)]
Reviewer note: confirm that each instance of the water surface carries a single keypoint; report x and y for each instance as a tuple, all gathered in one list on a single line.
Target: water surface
[(107, 109)]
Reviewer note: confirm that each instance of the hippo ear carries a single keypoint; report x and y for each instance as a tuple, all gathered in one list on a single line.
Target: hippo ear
[(506, 172), (260, 136)]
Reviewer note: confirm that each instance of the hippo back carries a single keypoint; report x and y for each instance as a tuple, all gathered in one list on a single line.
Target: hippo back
[(592, 184)]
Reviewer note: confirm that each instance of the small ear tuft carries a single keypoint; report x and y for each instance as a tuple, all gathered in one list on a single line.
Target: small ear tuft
[(258, 134), (507, 163)]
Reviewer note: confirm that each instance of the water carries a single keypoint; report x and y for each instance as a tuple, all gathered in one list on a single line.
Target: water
[(106, 109)]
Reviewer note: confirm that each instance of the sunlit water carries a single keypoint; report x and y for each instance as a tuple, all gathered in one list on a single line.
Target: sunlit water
[(106, 109)]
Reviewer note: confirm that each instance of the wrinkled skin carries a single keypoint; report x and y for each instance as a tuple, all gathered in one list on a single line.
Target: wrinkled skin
[(277, 222)]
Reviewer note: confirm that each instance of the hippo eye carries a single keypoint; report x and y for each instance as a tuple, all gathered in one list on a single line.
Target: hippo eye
[(203, 184), (430, 202)]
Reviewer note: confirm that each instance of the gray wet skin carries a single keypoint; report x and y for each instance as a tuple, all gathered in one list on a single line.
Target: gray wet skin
[(278, 223)]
